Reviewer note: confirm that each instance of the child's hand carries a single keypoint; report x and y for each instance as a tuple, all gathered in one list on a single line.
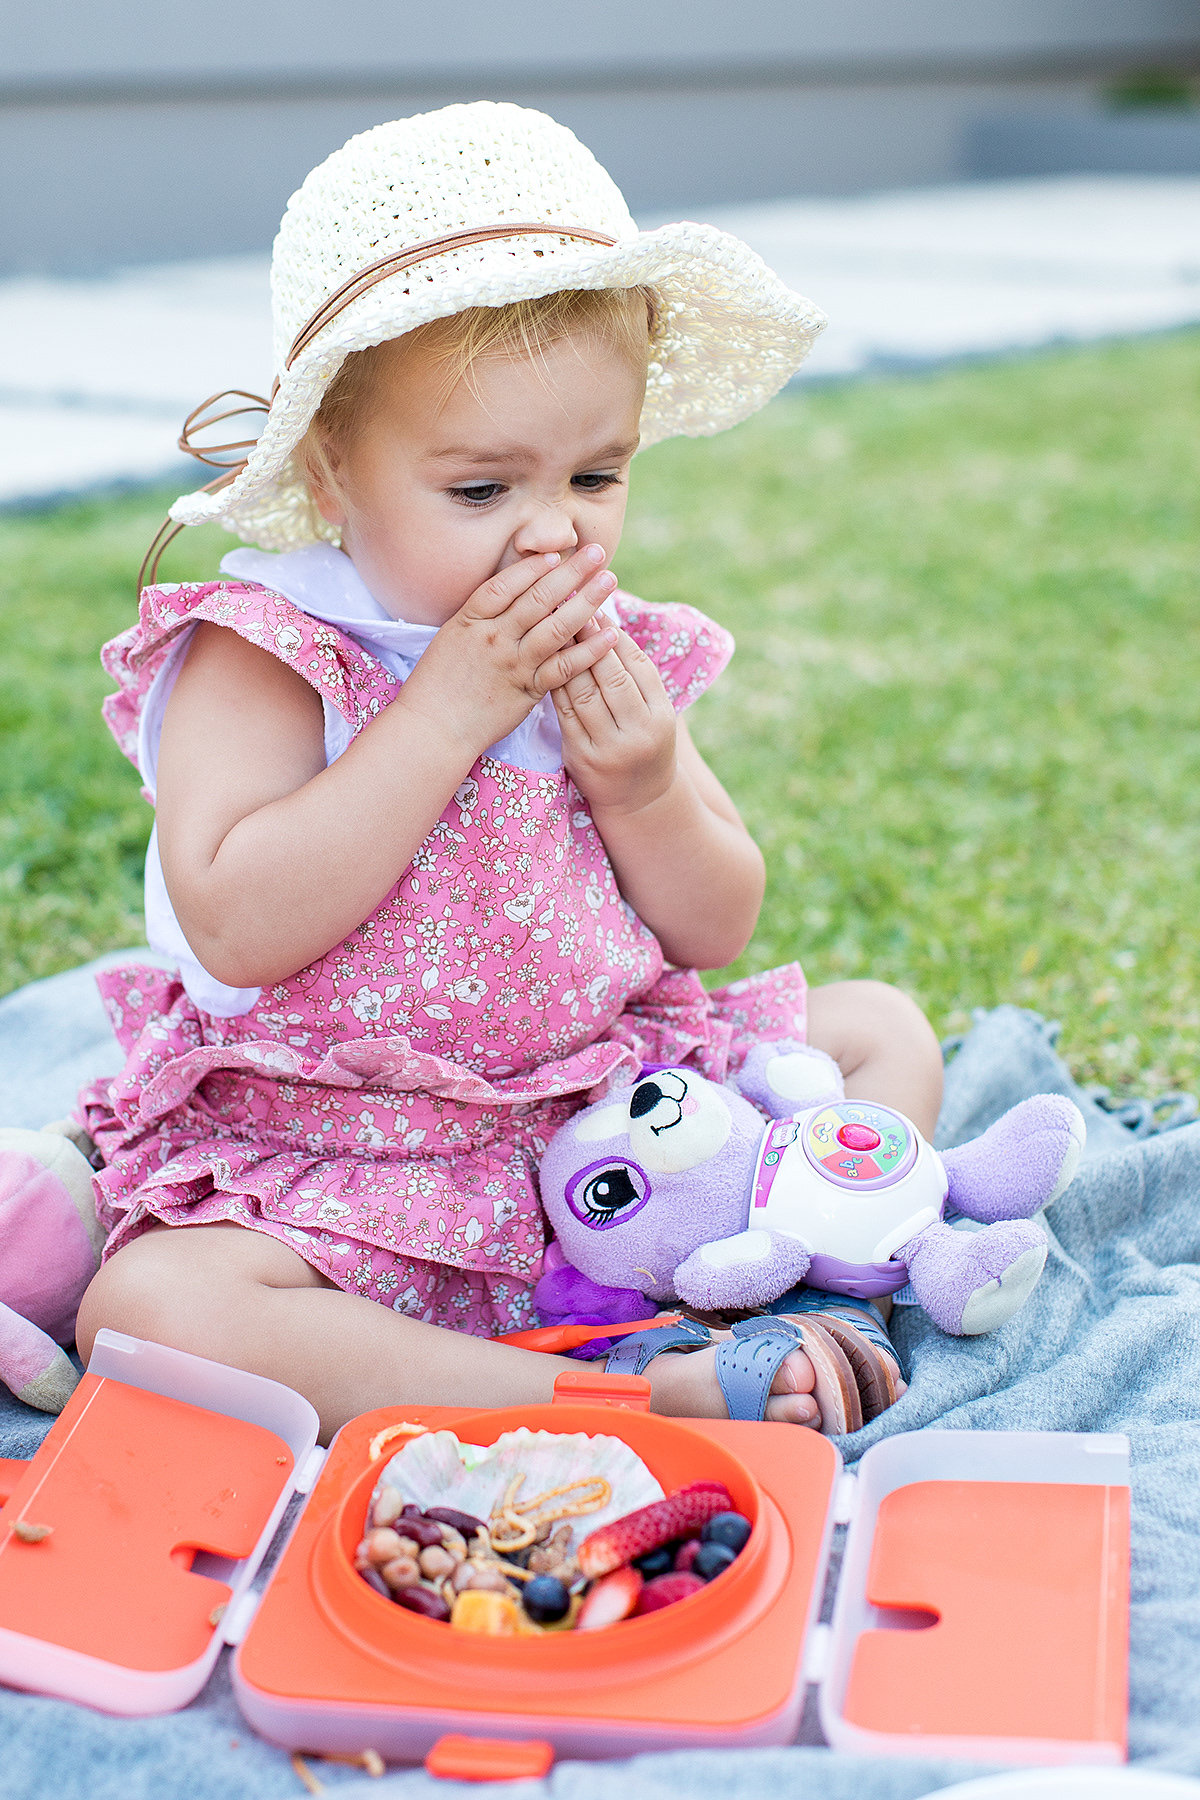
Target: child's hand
[(618, 728), (525, 631)]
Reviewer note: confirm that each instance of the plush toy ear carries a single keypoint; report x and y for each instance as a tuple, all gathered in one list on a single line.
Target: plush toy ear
[(566, 1296), (781, 1078)]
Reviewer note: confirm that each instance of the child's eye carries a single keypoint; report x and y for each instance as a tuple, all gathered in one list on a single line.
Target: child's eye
[(593, 483), (478, 493)]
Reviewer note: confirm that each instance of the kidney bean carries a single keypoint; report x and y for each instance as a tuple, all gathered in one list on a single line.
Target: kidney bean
[(425, 1532), (461, 1521), (424, 1601)]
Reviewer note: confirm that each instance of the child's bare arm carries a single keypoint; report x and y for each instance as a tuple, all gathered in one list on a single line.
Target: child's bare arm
[(270, 858), (683, 858)]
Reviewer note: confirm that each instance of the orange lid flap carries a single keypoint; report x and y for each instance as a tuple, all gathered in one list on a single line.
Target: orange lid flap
[(136, 1522), (984, 1609)]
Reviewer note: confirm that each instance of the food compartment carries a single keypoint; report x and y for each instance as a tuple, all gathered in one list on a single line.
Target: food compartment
[(674, 1454)]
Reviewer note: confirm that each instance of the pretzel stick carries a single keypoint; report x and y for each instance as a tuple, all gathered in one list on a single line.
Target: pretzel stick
[(306, 1775), (388, 1435)]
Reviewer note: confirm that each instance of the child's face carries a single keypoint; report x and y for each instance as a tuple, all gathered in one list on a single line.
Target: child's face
[(435, 492)]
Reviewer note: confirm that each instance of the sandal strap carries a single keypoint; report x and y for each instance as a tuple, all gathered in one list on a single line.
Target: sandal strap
[(632, 1354), (747, 1362), (860, 1315)]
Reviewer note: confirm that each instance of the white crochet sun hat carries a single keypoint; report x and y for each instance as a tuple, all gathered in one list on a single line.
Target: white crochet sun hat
[(729, 337)]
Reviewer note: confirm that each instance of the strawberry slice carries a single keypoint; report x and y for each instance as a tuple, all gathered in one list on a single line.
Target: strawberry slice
[(665, 1590), (610, 1599), (679, 1514)]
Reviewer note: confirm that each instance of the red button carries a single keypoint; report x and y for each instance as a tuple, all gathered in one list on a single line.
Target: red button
[(858, 1137)]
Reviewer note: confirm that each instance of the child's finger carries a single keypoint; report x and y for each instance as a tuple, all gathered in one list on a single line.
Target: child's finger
[(619, 690), (546, 635), (543, 581), (576, 718), (573, 661), (640, 668)]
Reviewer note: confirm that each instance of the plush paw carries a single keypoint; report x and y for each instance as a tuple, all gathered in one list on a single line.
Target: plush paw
[(780, 1078), (972, 1281), (49, 1235), (750, 1269), (1020, 1164), (32, 1365)]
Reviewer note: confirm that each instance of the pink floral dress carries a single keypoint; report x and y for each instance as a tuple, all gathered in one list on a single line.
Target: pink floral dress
[(383, 1110)]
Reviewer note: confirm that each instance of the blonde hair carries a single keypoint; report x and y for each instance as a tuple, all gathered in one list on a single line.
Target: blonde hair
[(624, 319)]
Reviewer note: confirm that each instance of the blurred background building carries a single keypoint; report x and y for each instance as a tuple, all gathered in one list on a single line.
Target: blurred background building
[(141, 130), (946, 178)]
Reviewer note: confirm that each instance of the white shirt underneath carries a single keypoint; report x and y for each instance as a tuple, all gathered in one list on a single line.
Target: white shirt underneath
[(323, 583)]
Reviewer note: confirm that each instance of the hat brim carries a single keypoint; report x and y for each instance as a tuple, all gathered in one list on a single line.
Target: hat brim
[(731, 335)]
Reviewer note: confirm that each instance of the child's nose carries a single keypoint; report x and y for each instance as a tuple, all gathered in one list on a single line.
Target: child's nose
[(546, 528)]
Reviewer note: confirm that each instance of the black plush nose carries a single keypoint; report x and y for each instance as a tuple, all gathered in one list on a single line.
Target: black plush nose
[(646, 1097)]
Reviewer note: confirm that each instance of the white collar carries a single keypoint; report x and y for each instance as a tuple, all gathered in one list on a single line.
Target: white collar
[(323, 582)]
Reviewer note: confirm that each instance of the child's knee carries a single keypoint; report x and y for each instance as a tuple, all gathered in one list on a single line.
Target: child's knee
[(145, 1291), (857, 1020), (895, 1022)]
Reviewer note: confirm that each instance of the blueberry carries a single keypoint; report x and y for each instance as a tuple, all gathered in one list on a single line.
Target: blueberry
[(656, 1562), (730, 1528), (546, 1599), (710, 1559)]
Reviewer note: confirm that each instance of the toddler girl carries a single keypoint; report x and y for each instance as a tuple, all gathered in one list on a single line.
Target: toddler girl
[(434, 851)]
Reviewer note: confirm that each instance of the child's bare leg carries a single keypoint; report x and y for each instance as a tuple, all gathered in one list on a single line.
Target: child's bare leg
[(883, 1044), (241, 1297)]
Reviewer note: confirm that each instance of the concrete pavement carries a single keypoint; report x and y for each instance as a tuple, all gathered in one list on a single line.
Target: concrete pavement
[(96, 375)]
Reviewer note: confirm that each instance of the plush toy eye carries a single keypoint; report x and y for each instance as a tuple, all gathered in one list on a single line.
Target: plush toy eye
[(607, 1193)]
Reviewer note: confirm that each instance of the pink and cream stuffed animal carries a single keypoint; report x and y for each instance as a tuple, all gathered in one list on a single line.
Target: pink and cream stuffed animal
[(677, 1188), (50, 1243)]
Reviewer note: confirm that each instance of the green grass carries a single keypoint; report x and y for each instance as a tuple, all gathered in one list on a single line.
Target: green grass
[(964, 721)]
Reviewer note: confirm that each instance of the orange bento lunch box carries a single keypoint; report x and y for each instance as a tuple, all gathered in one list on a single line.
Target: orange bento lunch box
[(981, 1606)]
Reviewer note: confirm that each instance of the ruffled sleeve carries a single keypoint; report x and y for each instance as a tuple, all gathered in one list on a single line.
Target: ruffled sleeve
[(341, 671), (688, 650)]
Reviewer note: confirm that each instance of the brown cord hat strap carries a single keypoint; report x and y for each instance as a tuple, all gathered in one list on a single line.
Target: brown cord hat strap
[(225, 457), (217, 456), (404, 259)]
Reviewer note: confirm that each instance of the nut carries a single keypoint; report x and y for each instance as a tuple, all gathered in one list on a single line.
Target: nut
[(486, 1575), (30, 1534), (550, 1557), (400, 1572), (387, 1507), (379, 1546), (436, 1562)]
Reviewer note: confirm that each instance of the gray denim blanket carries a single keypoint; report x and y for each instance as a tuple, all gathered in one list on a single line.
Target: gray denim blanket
[(1110, 1341)]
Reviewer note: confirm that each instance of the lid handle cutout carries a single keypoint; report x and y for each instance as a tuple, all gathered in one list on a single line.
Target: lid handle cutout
[(455, 1758)]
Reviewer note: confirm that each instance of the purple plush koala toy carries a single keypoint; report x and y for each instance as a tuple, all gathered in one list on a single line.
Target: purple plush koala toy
[(678, 1188)]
